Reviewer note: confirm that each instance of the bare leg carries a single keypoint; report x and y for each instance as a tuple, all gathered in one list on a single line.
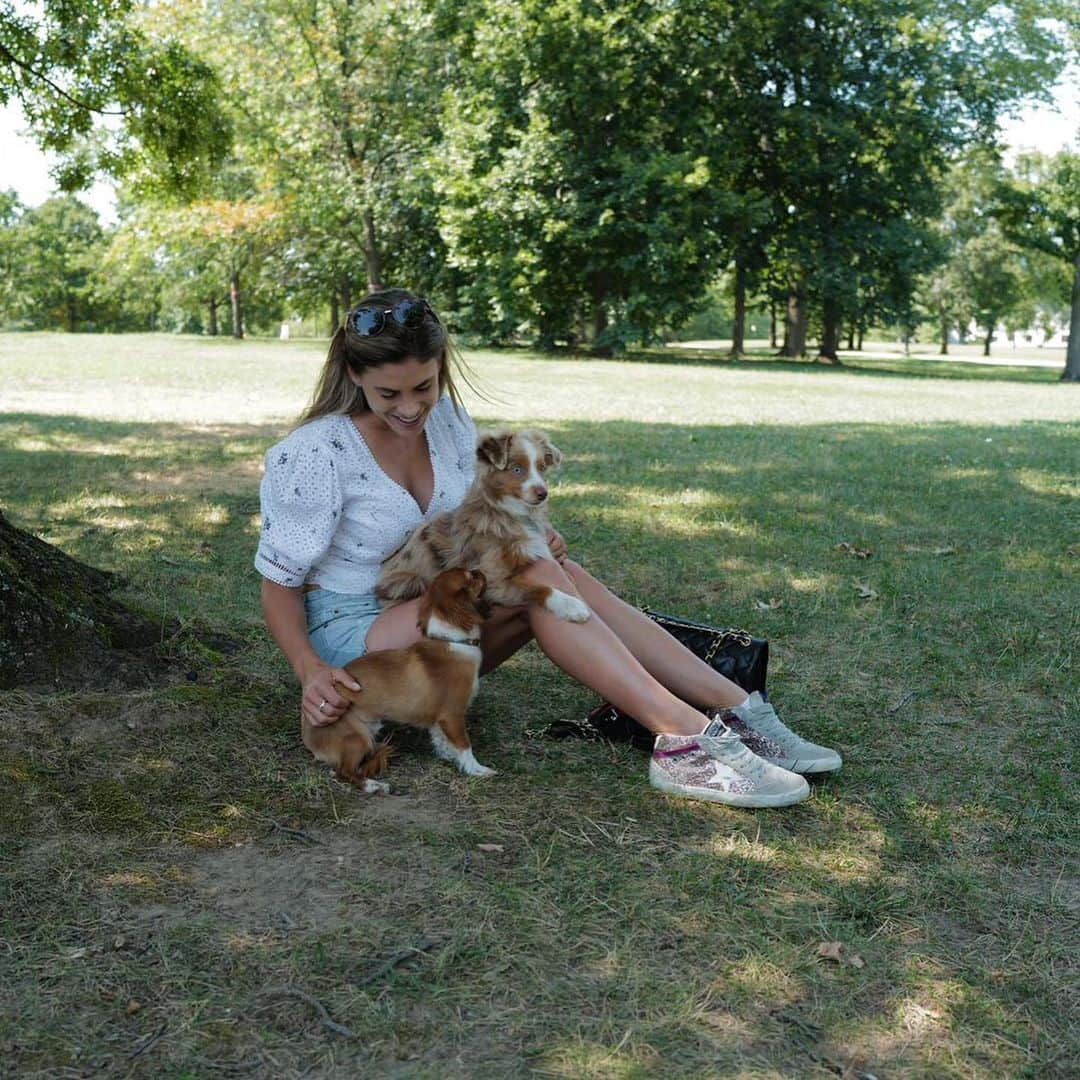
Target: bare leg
[(591, 653), (668, 661)]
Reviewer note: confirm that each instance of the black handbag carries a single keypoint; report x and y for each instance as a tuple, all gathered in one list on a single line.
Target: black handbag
[(736, 654)]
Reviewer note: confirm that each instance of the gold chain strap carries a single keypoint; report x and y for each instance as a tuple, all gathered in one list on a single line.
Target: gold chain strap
[(719, 636), (587, 727)]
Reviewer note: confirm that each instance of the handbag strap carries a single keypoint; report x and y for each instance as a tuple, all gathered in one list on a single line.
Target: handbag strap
[(583, 728), (718, 636)]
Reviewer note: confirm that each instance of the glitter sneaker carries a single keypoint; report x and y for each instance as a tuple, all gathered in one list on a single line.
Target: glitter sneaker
[(761, 730), (716, 766)]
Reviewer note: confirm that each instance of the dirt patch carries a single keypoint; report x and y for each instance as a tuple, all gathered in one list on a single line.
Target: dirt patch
[(315, 878)]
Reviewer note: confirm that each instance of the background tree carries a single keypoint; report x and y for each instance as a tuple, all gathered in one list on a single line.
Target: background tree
[(70, 63), (578, 195), (857, 109), (339, 134), (1039, 208), (10, 211), (56, 246)]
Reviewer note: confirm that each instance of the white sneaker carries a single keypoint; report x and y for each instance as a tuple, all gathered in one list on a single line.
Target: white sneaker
[(719, 768), (761, 730)]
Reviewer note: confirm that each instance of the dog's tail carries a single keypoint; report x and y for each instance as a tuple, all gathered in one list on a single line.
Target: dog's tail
[(399, 582)]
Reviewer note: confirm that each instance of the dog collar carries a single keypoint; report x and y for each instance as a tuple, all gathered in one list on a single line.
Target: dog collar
[(455, 641)]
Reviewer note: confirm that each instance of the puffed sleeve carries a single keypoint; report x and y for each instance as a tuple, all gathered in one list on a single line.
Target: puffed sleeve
[(300, 496)]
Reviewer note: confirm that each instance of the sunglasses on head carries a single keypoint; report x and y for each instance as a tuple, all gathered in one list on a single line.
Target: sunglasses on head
[(409, 314)]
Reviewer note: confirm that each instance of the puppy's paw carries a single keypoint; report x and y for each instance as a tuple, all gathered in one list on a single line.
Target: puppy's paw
[(471, 767), (567, 607)]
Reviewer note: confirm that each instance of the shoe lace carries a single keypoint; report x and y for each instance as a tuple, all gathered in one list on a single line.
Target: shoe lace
[(730, 749), (767, 723)]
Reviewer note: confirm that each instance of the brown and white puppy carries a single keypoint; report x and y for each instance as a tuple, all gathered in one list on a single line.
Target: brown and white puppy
[(499, 528), (428, 684)]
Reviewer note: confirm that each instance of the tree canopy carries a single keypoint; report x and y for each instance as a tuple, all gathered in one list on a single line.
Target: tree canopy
[(576, 171)]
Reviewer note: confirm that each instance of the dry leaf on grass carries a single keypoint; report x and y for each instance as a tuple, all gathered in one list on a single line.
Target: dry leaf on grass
[(133, 1007), (839, 954), (865, 592), (768, 605), (917, 549), (851, 549), (489, 847)]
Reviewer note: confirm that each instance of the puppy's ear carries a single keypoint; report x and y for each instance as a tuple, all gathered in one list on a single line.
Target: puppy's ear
[(552, 454), (494, 448), (477, 583)]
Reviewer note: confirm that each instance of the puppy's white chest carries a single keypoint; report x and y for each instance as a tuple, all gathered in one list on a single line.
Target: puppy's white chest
[(535, 546), (475, 655)]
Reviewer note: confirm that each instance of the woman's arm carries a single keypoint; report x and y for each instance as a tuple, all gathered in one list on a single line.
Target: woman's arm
[(283, 610)]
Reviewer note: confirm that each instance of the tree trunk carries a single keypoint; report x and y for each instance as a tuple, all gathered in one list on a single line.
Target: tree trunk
[(830, 334), (58, 623), (944, 334), (212, 325), (237, 305), (345, 292), (738, 329), (851, 338), (989, 338), (1072, 350), (796, 318), (372, 256), (335, 314), (599, 317), (772, 324), (71, 314), (858, 344)]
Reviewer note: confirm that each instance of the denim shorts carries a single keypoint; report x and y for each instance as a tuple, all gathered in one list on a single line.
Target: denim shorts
[(338, 623)]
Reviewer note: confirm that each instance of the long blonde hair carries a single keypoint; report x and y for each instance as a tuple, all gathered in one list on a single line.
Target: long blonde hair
[(335, 393)]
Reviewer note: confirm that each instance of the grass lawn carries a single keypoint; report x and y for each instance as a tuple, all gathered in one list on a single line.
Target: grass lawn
[(185, 893)]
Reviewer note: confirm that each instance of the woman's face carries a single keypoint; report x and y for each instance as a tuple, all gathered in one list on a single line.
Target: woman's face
[(402, 394)]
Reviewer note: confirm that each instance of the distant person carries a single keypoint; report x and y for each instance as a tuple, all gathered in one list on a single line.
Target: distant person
[(384, 446)]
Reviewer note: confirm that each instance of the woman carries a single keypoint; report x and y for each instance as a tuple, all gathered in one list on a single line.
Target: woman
[(385, 445)]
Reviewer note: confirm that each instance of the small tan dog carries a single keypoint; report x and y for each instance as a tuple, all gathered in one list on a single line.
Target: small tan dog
[(500, 528), (428, 684)]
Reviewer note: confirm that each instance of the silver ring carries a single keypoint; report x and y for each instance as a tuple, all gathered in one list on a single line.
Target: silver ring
[(321, 704)]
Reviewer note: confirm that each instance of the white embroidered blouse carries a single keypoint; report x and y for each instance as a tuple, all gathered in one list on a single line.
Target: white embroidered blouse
[(330, 515)]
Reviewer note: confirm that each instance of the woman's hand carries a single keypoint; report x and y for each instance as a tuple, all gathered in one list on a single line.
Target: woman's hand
[(557, 545), (321, 703)]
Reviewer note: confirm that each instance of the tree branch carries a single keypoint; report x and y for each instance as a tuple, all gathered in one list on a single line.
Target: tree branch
[(8, 55)]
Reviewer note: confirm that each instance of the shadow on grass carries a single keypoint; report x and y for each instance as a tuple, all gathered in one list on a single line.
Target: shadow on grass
[(763, 361), (616, 931)]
